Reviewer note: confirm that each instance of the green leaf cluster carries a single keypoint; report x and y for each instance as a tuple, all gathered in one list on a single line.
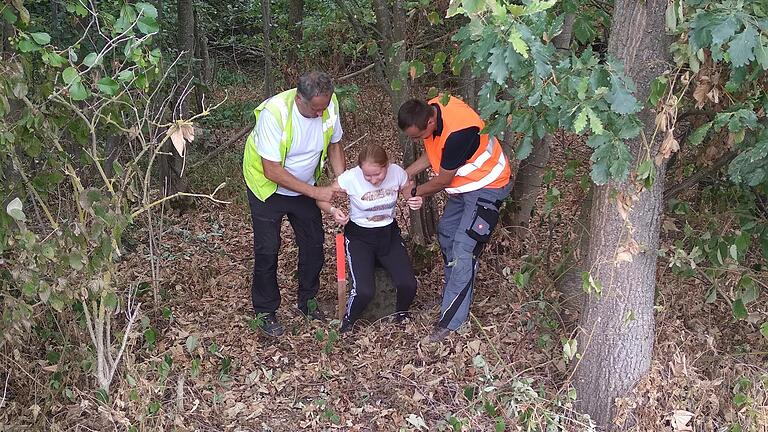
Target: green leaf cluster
[(534, 90)]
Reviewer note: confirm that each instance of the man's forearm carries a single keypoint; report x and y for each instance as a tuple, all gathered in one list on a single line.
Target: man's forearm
[(418, 165), (276, 173), (336, 157), (430, 188)]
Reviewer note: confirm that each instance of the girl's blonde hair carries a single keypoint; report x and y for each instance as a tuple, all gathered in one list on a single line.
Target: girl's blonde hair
[(373, 153)]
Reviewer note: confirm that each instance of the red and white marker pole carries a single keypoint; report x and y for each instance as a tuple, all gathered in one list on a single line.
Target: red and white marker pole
[(341, 275)]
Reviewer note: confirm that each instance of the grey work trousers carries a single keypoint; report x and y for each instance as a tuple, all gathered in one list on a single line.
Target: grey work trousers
[(466, 225)]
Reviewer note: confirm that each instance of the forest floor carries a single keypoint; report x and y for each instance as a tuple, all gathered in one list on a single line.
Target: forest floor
[(211, 369)]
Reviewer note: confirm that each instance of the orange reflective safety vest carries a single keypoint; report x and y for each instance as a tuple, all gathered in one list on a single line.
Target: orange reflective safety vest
[(487, 168)]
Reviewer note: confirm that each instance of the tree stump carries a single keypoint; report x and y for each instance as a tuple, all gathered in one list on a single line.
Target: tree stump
[(384, 301)]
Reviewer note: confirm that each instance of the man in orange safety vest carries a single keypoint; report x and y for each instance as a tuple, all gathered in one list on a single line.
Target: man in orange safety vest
[(472, 168)]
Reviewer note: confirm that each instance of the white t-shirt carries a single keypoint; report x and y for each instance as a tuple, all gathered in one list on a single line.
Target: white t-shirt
[(306, 144), (372, 206)]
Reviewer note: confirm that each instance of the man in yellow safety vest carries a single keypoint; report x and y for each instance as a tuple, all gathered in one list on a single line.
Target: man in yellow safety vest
[(295, 132)]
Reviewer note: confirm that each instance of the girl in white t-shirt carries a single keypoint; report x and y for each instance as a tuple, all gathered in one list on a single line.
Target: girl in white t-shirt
[(371, 232)]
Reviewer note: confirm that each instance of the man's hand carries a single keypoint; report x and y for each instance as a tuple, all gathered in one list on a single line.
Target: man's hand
[(339, 216), (326, 193), (414, 203)]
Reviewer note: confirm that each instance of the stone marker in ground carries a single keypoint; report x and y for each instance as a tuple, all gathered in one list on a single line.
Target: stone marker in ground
[(384, 301)]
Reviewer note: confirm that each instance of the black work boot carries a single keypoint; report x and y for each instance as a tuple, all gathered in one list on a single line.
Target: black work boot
[(438, 333), (401, 317), (270, 326), (346, 325)]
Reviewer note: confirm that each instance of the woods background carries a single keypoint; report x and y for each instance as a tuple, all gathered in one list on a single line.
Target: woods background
[(623, 289)]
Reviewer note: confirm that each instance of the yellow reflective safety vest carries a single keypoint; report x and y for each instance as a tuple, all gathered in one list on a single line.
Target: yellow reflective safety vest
[(281, 107)]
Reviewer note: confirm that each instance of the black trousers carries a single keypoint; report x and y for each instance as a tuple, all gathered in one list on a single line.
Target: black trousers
[(366, 246), (307, 225)]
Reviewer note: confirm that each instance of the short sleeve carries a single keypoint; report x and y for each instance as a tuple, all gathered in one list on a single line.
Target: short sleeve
[(268, 135), (401, 175), (459, 147), (346, 180)]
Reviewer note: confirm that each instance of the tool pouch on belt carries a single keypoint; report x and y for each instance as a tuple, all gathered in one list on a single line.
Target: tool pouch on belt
[(484, 220)]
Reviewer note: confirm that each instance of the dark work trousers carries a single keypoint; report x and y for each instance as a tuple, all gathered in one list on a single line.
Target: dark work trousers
[(307, 224), (366, 246)]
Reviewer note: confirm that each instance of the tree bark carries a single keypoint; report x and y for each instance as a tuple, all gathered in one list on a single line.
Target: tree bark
[(267, 23), (171, 163), (469, 86), (295, 17), (617, 327), (528, 179), (7, 49)]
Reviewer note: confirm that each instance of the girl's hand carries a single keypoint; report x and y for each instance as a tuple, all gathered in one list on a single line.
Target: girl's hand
[(414, 203), (339, 216)]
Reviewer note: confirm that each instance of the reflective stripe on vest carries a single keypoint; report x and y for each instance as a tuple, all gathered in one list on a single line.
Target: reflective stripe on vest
[(488, 166), (480, 161)]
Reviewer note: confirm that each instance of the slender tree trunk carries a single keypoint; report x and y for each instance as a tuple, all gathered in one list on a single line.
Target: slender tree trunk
[(295, 17), (197, 69), (55, 14), (391, 24), (528, 178), (5, 45), (618, 326), (267, 23), (171, 162), (469, 86)]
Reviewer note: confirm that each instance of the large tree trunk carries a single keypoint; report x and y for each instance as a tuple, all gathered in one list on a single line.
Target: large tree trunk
[(267, 23), (528, 178), (295, 17), (618, 326)]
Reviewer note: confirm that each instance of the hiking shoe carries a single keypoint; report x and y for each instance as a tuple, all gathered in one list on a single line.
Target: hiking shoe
[(316, 314), (438, 334), (346, 326), (401, 317), (271, 326)]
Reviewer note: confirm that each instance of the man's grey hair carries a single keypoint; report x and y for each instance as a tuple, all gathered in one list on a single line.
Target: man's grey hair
[(313, 84)]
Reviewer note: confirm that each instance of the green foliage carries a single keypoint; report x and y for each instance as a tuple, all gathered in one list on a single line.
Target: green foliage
[(535, 90), (63, 95), (731, 35)]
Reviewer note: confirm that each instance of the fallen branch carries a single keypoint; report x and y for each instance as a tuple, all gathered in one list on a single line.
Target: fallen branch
[(240, 134), (673, 191), (348, 146), (181, 194), (354, 74)]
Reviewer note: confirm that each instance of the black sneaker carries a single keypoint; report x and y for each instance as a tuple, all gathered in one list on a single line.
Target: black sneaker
[(346, 325), (401, 317), (271, 326), (316, 314)]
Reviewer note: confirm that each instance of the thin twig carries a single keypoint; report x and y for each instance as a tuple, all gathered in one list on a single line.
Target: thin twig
[(180, 194), (348, 146)]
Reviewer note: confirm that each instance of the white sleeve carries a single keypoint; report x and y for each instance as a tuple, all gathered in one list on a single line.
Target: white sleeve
[(268, 135), (402, 176), (337, 131), (345, 180)]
